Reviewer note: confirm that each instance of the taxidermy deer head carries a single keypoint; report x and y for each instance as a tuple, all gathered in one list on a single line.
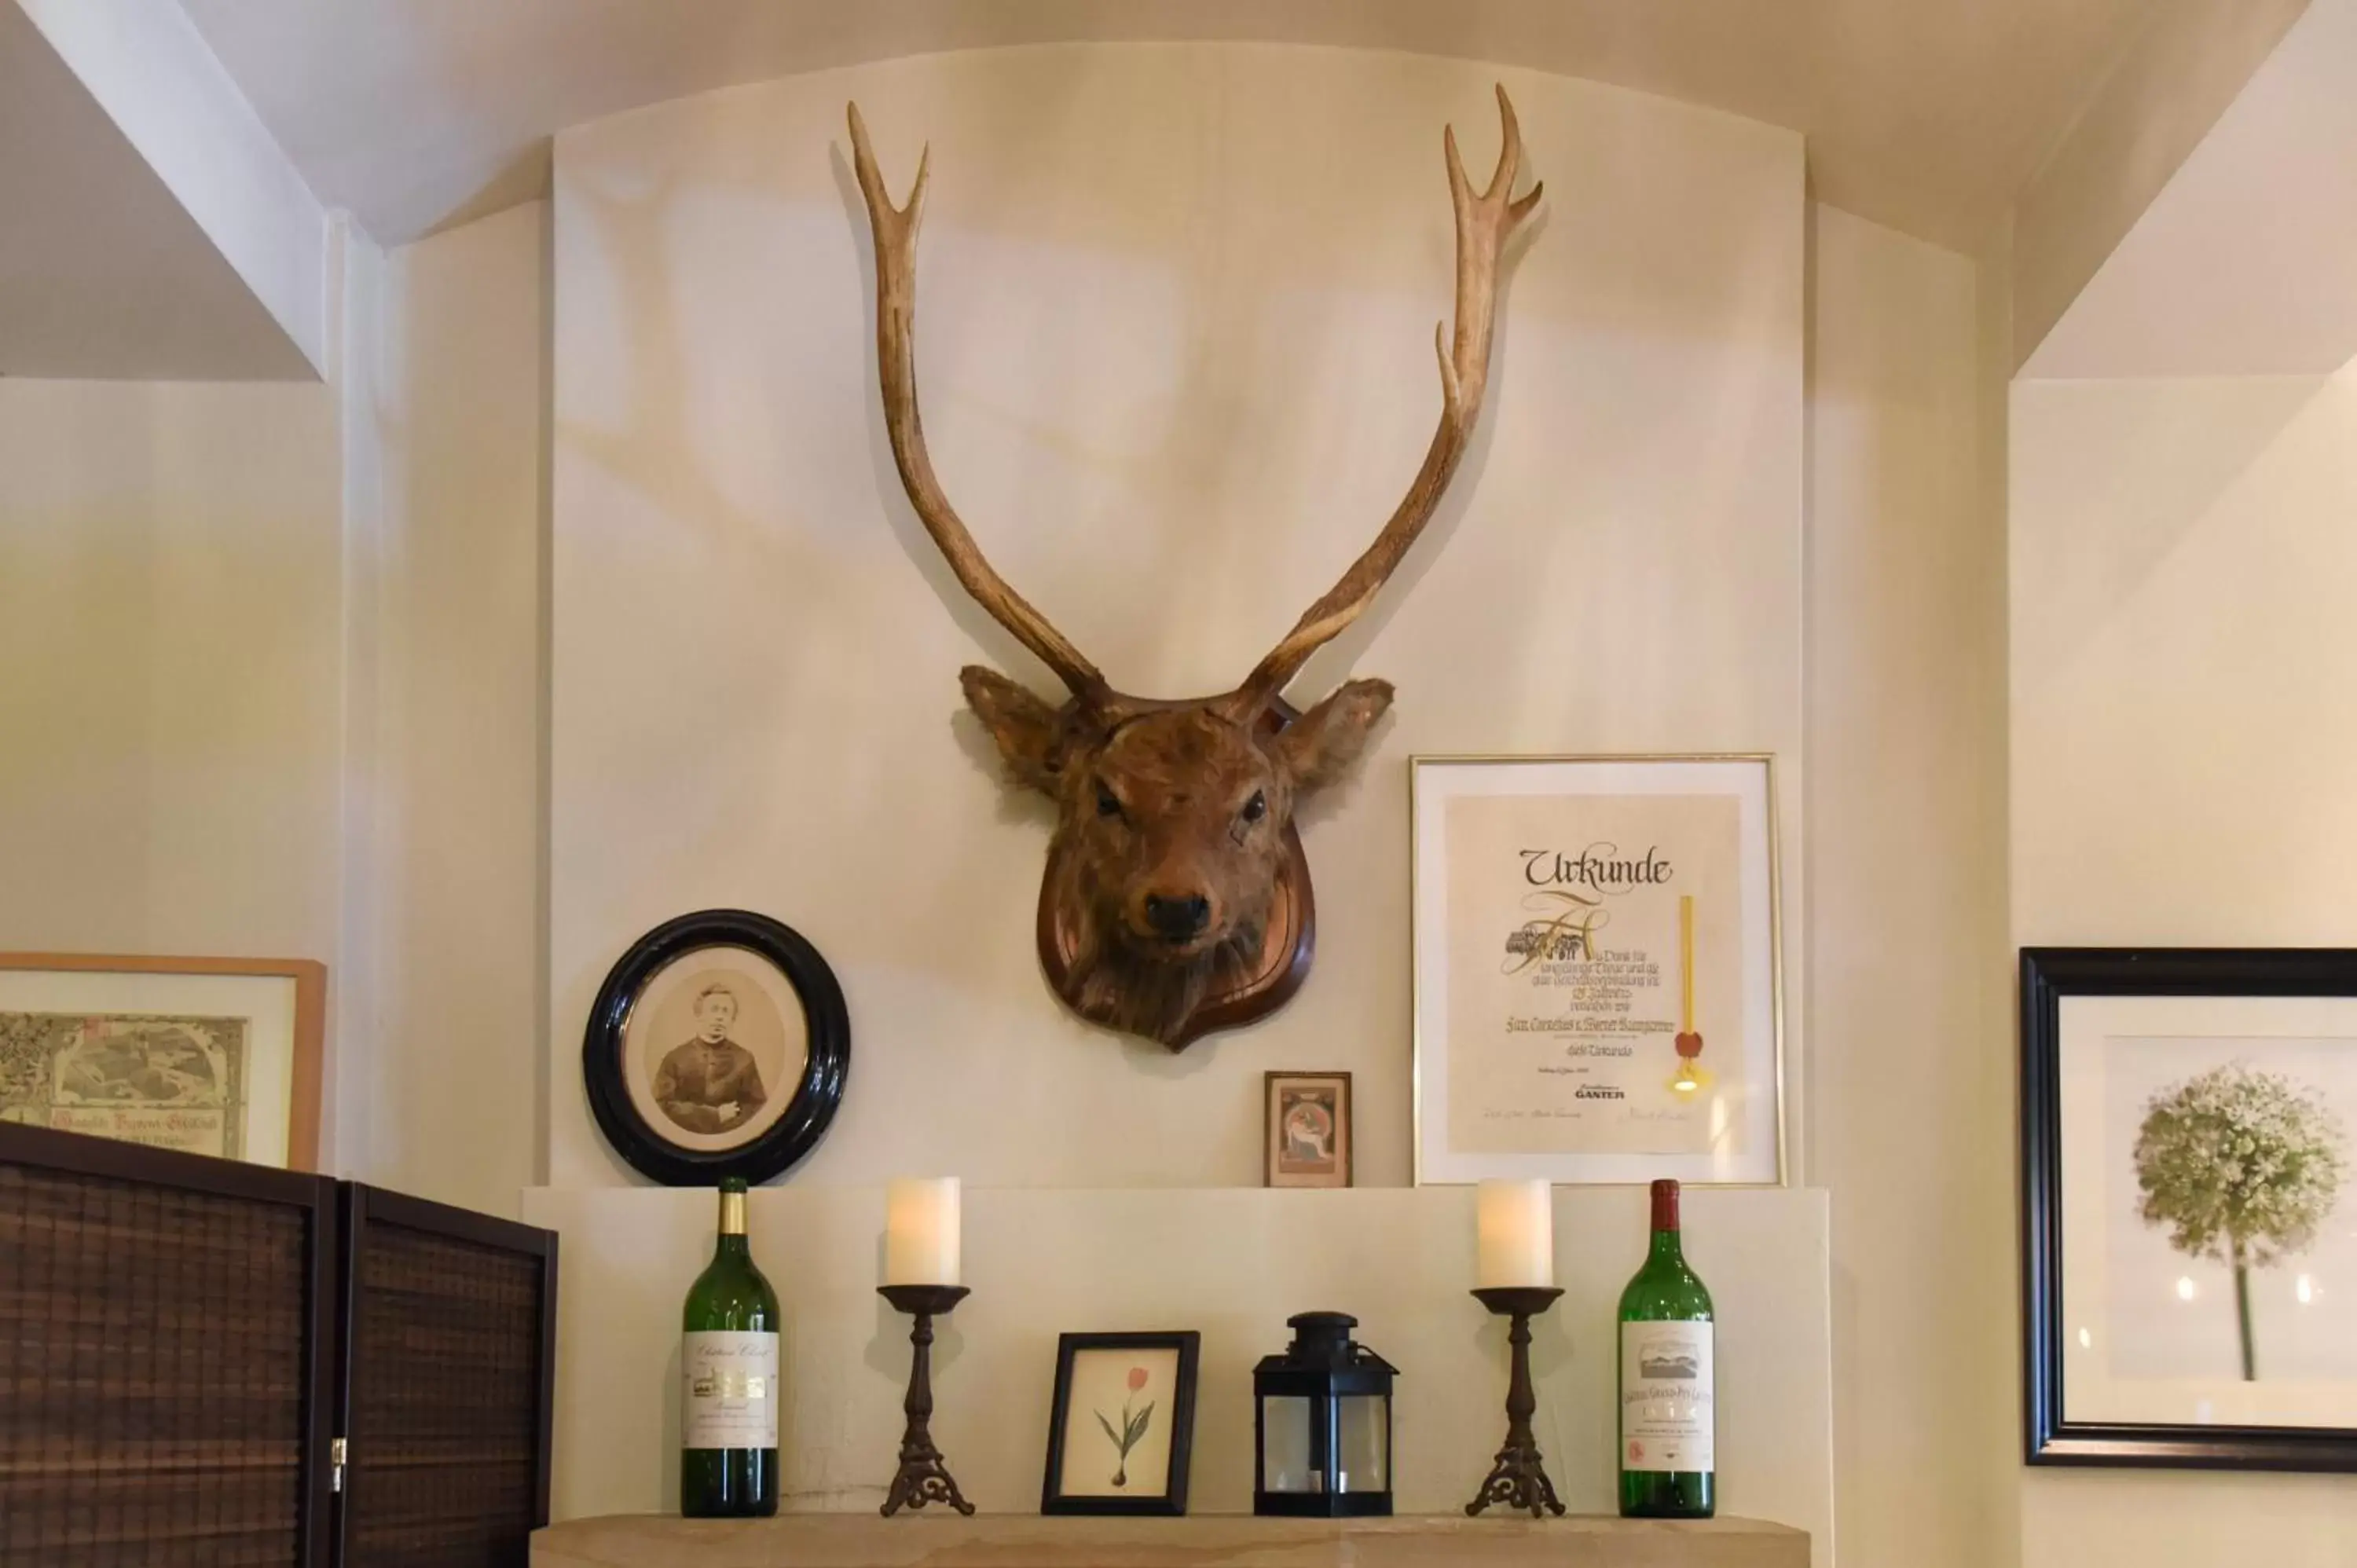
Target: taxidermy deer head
[(1177, 898)]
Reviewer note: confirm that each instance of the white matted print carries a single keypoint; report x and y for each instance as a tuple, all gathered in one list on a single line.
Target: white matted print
[(2209, 1212), (1597, 995), (206, 1055)]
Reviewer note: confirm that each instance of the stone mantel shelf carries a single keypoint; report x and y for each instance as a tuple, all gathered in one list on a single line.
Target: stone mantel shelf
[(1022, 1540)]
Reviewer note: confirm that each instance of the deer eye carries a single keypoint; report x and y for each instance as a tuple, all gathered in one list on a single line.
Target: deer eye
[(1256, 808), (1107, 805)]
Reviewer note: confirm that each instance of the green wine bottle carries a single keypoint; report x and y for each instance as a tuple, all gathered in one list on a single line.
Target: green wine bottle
[(1666, 1365), (728, 1377)]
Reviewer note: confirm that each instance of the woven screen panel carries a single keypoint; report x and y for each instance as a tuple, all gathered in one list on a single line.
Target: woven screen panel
[(151, 1375), (445, 1385)]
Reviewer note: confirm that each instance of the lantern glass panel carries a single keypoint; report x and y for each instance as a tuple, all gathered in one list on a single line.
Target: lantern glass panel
[(1284, 1446), (1363, 1440)]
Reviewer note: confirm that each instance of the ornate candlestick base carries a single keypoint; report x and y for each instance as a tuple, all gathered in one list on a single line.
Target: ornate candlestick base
[(1519, 1478), (923, 1478)]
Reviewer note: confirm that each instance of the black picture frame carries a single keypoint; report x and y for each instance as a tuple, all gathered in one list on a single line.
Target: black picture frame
[(1172, 1500), (2047, 976), (816, 1097)]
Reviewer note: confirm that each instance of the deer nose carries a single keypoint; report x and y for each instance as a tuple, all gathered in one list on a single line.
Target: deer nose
[(1179, 916)]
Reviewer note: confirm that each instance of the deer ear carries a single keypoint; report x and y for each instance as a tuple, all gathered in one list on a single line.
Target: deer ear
[(1029, 731), (1321, 745)]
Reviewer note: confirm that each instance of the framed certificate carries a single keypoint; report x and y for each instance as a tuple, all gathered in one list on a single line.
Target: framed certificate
[(1599, 996)]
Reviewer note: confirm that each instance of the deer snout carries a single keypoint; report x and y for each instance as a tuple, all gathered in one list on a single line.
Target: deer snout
[(1178, 917)]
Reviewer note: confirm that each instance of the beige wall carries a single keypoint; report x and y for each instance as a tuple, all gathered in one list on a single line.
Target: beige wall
[(2184, 756), (270, 673), (1908, 1052), (169, 692), (1175, 386), (450, 402)]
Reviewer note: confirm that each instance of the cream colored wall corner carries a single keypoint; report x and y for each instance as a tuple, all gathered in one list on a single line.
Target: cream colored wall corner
[(269, 669), (2184, 755), (1909, 1056), (1175, 386), (440, 1092)]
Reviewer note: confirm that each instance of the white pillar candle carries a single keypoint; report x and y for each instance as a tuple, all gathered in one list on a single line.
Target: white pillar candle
[(921, 1233), (1516, 1222)]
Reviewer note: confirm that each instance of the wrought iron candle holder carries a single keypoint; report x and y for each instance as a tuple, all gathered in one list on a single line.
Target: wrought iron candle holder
[(1519, 1478), (923, 1476)]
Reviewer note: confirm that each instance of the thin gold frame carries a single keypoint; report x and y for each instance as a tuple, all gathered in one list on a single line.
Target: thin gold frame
[(1416, 764)]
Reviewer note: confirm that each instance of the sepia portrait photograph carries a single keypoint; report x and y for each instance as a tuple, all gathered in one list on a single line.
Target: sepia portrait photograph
[(1307, 1130), (716, 1047)]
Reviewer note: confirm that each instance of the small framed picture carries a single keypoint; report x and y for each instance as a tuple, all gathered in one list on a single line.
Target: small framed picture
[(1306, 1138), (1122, 1426), (718, 1047), (209, 1056), (2188, 1147)]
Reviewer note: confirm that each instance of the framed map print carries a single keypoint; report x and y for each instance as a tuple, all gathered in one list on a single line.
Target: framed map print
[(1596, 970), (2189, 1141), (209, 1056)]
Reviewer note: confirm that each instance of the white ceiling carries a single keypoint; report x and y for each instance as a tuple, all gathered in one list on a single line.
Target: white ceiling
[(2246, 264), (1924, 114), (103, 274)]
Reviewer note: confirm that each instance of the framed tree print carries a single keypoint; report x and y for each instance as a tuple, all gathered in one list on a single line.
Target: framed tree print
[(2189, 1146), (1597, 971)]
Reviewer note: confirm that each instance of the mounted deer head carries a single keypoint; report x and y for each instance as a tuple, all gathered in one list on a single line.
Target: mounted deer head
[(1177, 898)]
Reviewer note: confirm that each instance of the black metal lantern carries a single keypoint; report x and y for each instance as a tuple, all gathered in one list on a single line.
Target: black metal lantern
[(1322, 1423)]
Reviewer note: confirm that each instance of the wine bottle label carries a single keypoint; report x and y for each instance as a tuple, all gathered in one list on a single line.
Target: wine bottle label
[(729, 1387), (1665, 1396)]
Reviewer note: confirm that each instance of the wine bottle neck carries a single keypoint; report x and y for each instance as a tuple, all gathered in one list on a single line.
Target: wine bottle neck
[(732, 1221), (733, 1246), (1666, 1248)]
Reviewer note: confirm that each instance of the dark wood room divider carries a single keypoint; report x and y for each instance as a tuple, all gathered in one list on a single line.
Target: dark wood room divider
[(205, 1362)]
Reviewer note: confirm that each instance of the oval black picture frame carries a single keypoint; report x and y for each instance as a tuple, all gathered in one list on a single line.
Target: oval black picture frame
[(816, 1097)]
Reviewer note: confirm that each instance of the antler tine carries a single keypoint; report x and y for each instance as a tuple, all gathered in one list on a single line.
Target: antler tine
[(1483, 224), (896, 359)]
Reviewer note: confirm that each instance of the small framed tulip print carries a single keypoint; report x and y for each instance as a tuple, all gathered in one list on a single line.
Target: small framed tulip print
[(1120, 1427), (2189, 1149)]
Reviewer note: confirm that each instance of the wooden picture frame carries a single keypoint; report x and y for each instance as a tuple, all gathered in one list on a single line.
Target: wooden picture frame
[(214, 1056), (2132, 1060), (1307, 1136), (686, 1115), (1092, 1371)]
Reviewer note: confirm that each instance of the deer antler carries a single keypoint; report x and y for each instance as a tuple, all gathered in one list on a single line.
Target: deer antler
[(1483, 224), (896, 310)]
